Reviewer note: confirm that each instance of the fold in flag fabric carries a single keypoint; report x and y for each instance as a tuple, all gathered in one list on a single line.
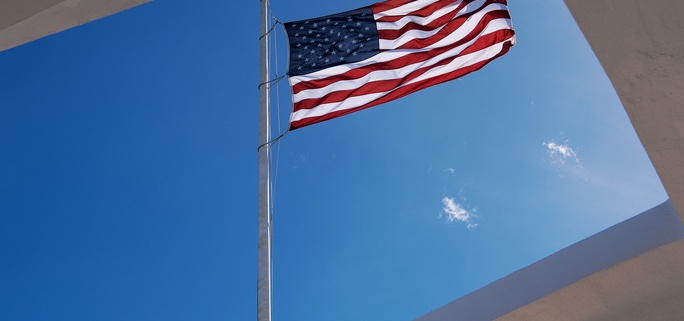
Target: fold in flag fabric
[(346, 62)]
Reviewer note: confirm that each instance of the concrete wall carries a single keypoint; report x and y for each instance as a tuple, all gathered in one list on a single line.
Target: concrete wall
[(531, 293), (640, 44), (22, 21)]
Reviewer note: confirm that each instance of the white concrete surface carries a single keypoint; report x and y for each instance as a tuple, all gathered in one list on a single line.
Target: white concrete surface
[(605, 251), (649, 287), (22, 21)]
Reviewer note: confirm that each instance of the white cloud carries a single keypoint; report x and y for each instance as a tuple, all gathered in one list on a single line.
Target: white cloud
[(561, 152), (450, 170), (456, 212)]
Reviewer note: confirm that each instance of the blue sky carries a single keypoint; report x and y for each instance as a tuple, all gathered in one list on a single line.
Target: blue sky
[(128, 172)]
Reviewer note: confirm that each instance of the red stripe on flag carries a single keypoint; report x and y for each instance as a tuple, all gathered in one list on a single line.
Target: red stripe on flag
[(389, 84), (390, 4), (341, 93), (397, 63), (398, 93), (448, 29), (422, 12)]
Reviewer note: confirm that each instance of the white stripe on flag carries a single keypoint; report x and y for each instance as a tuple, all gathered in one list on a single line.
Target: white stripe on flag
[(385, 56), (353, 102), (416, 19), (417, 50), (495, 25), (453, 37), (410, 7)]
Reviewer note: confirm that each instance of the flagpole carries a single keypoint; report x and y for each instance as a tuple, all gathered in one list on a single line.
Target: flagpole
[(264, 246)]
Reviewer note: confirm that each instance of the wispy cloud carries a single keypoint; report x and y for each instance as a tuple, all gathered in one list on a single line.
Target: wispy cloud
[(301, 160), (456, 212), (450, 170), (561, 152)]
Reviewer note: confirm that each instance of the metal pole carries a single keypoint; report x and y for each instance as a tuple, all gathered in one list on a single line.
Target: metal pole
[(264, 265)]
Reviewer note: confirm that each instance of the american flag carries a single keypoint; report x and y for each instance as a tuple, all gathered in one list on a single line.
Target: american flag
[(357, 59)]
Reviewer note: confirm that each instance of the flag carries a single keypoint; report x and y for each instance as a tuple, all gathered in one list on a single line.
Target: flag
[(346, 62)]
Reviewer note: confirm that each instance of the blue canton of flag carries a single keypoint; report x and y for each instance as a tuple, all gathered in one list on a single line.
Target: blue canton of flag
[(333, 40)]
